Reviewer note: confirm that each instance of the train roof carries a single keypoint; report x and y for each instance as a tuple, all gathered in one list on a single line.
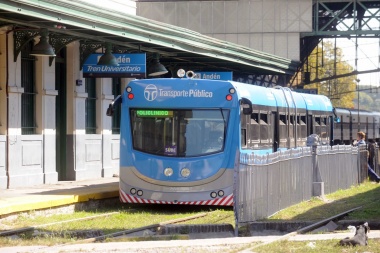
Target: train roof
[(258, 95), (283, 97), (352, 111), (317, 102)]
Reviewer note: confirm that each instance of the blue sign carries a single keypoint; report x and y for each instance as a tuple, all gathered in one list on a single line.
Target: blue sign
[(130, 65), (227, 76), (308, 91)]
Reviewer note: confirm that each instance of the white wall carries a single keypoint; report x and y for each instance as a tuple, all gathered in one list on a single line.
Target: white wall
[(3, 108), (272, 26), (123, 6)]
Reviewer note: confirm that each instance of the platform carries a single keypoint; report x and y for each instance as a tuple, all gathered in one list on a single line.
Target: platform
[(55, 195)]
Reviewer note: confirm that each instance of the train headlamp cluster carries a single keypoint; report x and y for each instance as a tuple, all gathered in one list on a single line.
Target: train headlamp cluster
[(129, 91), (220, 193), (185, 172), (229, 96), (133, 191)]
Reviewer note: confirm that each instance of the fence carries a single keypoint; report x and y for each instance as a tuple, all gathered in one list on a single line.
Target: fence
[(266, 184)]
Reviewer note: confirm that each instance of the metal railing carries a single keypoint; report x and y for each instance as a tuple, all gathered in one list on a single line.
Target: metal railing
[(266, 184)]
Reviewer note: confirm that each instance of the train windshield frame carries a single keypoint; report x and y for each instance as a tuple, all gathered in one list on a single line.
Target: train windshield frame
[(179, 132)]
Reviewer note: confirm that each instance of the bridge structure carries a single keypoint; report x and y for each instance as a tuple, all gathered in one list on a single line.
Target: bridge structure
[(351, 21)]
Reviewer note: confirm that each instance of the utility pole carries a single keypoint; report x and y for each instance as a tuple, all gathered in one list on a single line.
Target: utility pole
[(357, 85)]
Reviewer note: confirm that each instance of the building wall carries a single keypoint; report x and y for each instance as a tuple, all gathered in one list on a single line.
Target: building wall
[(272, 26), (32, 158), (3, 106), (27, 160)]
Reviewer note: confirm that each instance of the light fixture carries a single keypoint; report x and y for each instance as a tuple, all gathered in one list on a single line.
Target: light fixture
[(156, 68), (108, 58), (43, 48)]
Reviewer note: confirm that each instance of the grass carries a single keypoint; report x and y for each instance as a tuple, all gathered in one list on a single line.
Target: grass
[(366, 195), (330, 246), (128, 218)]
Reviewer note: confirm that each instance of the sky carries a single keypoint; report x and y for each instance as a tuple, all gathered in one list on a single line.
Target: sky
[(368, 55)]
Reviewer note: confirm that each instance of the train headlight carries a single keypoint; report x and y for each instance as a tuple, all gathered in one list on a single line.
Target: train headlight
[(168, 172), (232, 90), (133, 191), (220, 193), (185, 172), (139, 193), (213, 195)]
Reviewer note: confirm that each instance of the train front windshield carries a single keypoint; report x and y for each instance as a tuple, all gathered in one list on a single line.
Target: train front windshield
[(181, 133)]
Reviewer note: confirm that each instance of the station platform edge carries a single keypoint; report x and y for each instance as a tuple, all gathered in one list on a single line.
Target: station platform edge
[(13, 201)]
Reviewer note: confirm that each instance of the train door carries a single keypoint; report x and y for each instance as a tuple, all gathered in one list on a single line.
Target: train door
[(245, 114)]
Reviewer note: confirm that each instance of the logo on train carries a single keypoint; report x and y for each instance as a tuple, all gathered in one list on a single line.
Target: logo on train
[(150, 92)]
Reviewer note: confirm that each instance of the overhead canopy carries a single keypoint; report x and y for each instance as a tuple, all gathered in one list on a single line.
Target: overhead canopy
[(178, 47)]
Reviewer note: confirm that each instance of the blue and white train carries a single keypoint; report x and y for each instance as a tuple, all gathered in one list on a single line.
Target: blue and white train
[(179, 136)]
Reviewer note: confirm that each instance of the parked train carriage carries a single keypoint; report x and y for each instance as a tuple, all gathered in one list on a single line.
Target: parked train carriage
[(348, 125)]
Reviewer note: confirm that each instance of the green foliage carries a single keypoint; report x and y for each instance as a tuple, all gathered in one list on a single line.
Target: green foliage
[(322, 63), (369, 98)]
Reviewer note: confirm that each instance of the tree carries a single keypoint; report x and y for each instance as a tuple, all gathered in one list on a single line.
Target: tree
[(325, 62), (369, 98)]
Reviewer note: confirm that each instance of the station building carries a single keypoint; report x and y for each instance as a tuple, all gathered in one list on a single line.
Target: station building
[(53, 123)]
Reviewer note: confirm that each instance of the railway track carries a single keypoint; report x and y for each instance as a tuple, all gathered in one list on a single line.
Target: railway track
[(151, 227), (119, 235)]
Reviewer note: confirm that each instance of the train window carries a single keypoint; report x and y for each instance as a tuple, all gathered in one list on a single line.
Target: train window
[(317, 129), (324, 130), (264, 127), (255, 116), (282, 131), (179, 132), (291, 126), (271, 120), (302, 130), (243, 131), (254, 133)]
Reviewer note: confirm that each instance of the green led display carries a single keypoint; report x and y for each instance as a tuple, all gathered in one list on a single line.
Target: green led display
[(154, 113)]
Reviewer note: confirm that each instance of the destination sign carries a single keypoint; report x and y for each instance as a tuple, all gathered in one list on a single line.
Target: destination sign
[(154, 113)]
